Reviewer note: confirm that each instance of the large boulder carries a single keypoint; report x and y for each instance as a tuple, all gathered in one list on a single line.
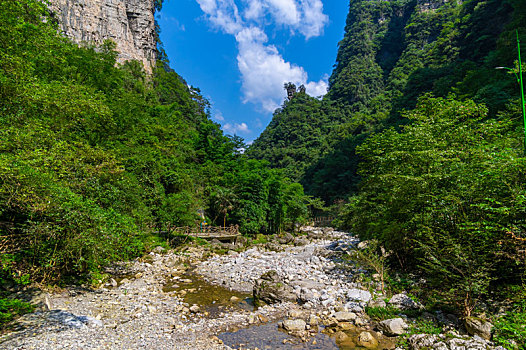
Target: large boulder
[(393, 327), (271, 288), (478, 326), (286, 238), (300, 241), (343, 316)]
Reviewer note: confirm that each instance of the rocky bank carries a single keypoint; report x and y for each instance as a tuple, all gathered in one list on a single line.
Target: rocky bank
[(314, 296)]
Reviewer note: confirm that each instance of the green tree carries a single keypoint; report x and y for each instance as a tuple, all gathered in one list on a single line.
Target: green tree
[(445, 192)]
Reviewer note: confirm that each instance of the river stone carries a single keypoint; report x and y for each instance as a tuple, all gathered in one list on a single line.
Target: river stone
[(478, 326), (341, 337), (271, 288), (393, 327), (403, 302), (377, 303), (70, 320), (346, 326), (294, 313), (476, 343), (294, 325), (343, 316), (194, 309), (367, 340), (440, 346), (273, 246), (313, 320), (419, 341), (307, 295), (359, 295), (363, 245), (300, 241)]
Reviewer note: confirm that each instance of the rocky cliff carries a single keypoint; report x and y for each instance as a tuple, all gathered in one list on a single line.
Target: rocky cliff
[(129, 23)]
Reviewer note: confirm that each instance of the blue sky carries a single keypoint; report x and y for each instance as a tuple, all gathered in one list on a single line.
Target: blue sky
[(240, 52)]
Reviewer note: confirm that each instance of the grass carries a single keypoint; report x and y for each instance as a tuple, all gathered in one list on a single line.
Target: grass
[(385, 313), (382, 313), (11, 309), (510, 330), (259, 239)]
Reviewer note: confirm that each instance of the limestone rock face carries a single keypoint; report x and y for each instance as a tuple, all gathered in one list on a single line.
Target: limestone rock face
[(129, 23)]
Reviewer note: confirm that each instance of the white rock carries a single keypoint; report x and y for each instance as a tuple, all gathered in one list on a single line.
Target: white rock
[(395, 326), (403, 302), (355, 294), (294, 325), (345, 316)]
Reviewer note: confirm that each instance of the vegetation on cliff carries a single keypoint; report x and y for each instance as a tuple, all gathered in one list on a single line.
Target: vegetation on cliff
[(393, 52)]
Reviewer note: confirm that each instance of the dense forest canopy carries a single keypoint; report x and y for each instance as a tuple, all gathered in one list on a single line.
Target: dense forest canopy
[(393, 52)]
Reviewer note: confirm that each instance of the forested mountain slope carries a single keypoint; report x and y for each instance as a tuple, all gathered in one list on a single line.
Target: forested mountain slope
[(97, 159), (392, 53)]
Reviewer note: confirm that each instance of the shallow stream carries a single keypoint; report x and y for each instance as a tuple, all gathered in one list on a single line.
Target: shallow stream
[(213, 299), (216, 300)]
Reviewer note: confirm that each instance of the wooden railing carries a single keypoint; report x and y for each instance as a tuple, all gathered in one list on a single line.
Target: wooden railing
[(208, 231), (322, 220)]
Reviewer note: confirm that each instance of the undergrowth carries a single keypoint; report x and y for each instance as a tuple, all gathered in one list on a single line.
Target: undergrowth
[(11, 309)]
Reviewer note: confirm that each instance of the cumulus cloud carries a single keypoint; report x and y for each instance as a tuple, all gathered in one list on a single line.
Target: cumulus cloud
[(313, 18), (263, 69), (236, 128), (318, 88), (222, 13), (304, 16)]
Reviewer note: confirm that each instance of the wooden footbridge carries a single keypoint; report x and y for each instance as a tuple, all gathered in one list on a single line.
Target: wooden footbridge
[(321, 221), (210, 232)]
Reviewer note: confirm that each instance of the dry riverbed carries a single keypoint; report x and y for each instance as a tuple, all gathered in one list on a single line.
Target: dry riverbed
[(195, 299)]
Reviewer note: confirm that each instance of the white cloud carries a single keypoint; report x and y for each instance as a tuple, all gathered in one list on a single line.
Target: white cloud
[(236, 128), (263, 69), (317, 88), (313, 18), (284, 11), (254, 10), (222, 13), (219, 116), (304, 16), (208, 6)]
